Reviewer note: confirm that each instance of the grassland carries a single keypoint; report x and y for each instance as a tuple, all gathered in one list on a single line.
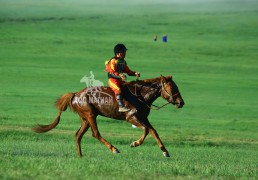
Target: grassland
[(46, 47)]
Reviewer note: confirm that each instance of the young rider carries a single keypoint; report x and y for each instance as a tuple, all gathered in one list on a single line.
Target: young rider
[(116, 67)]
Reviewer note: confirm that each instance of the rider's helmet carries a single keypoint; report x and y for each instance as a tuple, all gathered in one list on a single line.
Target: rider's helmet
[(119, 47)]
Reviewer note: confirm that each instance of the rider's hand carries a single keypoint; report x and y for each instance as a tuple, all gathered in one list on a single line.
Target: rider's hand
[(137, 74), (122, 76)]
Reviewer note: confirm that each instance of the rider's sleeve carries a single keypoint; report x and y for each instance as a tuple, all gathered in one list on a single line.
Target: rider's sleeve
[(113, 67), (129, 71)]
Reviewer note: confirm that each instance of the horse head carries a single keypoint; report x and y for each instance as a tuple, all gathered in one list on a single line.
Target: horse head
[(170, 92)]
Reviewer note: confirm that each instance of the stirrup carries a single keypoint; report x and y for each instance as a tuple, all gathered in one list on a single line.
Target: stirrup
[(123, 109)]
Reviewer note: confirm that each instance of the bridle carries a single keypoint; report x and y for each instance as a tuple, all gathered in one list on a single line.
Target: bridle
[(167, 93), (155, 107)]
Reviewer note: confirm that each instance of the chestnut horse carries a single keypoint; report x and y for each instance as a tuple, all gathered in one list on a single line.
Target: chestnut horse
[(138, 96)]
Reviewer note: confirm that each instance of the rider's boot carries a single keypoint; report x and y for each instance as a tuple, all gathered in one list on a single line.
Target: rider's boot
[(121, 105)]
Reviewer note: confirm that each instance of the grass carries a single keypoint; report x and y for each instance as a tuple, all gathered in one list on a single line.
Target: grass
[(47, 47)]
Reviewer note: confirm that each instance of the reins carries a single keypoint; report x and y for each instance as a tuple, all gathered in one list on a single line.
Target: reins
[(167, 92), (156, 107)]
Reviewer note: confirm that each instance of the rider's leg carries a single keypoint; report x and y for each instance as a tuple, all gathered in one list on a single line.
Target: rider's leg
[(121, 105), (115, 86)]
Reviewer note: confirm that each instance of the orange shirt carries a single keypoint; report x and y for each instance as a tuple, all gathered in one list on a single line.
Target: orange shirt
[(117, 66)]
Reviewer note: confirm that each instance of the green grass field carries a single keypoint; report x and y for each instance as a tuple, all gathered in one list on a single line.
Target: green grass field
[(46, 47)]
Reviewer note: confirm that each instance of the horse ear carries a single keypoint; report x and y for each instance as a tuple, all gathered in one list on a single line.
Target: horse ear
[(163, 79), (170, 77)]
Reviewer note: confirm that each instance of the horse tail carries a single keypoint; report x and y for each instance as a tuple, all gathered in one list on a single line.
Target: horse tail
[(61, 104), (64, 101)]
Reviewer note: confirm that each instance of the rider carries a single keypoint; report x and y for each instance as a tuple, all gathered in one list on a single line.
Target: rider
[(116, 67)]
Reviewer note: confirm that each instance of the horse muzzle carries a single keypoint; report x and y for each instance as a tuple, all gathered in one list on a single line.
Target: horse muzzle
[(178, 103)]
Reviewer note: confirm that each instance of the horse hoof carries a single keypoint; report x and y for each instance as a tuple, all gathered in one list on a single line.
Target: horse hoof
[(116, 151), (133, 144), (166, 154)]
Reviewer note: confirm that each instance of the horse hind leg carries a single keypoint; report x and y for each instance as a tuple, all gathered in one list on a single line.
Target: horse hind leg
[(96, 134), (79, 134)]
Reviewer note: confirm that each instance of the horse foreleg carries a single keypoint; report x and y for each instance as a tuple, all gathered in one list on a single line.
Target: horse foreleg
[(145, 132), (96, 134), (156, 136), (79, 134)]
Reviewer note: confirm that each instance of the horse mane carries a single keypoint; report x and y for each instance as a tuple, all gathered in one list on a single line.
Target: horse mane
[(144, 81)]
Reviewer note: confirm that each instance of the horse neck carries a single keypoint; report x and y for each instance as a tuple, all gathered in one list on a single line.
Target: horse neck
[(150, 91)]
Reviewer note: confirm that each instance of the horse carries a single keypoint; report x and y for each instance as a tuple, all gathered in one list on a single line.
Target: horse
[(139, 96)]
